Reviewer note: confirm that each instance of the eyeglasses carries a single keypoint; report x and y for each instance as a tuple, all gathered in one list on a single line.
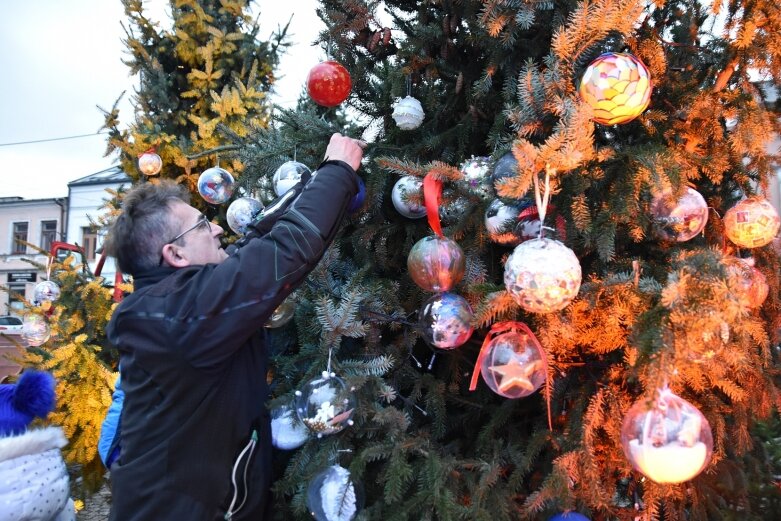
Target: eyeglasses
[(203, 222)]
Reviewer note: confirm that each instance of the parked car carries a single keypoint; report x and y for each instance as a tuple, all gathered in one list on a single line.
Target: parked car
[(10, 325)]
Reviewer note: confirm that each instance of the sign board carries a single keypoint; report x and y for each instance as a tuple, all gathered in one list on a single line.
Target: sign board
[(22, 276)]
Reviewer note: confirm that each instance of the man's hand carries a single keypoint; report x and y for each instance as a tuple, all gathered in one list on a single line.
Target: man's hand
[(347, 149)]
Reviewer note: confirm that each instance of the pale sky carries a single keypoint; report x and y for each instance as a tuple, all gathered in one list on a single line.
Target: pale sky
[(61, 58)]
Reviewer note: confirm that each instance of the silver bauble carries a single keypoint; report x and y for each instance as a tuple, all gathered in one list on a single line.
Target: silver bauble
[(407, 197), (46, 290), (454, 210), (241, 212), (216, 185), (542, 275), (477, 179), (408, 113), (446, 320), (287, 175)]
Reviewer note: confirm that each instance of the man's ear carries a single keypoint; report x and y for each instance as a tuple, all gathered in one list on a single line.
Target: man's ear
[(172, 255)]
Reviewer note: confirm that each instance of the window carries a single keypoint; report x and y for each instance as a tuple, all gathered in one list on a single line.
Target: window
[(20, 237), (48, 234), (89, 239)]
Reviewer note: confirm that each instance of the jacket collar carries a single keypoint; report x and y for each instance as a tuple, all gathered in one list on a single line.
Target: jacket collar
[(152, 276)]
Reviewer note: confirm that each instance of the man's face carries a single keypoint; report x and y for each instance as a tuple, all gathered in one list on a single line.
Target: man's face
[(200, 242)]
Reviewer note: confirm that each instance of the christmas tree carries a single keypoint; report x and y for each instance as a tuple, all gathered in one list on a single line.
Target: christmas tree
[(209, 69), (598, 270)]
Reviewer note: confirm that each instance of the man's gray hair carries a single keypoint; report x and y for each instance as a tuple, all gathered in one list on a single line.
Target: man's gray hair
[(137, 236)]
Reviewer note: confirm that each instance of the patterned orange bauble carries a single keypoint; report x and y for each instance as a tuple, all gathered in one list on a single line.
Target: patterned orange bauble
[(328, 83), (617, 86), (752, 223)]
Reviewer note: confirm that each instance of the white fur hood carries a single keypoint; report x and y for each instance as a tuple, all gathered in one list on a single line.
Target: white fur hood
[(31, 442)]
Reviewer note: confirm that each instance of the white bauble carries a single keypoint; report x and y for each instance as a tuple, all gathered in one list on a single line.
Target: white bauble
[(407, 197), (542, 275), (287, 433), (408, 113)]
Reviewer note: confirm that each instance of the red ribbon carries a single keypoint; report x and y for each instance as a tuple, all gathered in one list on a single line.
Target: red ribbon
[(432, 195), (149, 151), (509, 326)]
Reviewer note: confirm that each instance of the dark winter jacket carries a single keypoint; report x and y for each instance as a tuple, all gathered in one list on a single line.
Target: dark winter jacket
[(194, 365)]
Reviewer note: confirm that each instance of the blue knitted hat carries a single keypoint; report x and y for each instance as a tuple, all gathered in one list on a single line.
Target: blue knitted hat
[(31, 396)]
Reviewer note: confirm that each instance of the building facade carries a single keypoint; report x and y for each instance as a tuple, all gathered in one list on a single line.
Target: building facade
[(86, 198), (27, 225), (24, 225)]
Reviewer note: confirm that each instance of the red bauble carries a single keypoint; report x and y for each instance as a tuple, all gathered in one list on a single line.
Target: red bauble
[(328, 83)]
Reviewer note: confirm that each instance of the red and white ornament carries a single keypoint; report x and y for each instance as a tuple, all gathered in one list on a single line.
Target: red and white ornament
[(542, 275), (752, 223), (328, 83), (668, 440), (436, 263), (513, 363)]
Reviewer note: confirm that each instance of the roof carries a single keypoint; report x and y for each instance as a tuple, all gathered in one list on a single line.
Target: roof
[(104, 177)]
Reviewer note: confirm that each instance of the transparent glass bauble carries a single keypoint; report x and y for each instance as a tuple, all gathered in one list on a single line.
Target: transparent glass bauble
[(282, 315), (407, 197), (746, 282), (149, 163), (35, 330), (617, 86), (542, 275), (287, 431), (408, 113), (325, 405), (287, 175), (46, 291), (241, 213), (751, 223), (501, 223), (332, 495), (668, 440), (477, 179), (446, 320), (216, 185), (513, 365), (679, 219), (436, 263)]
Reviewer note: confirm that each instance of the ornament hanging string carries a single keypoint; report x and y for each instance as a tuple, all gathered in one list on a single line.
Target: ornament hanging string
[(409, 85), (49, 263), (432, 195), (506, 327), (542, 199)]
